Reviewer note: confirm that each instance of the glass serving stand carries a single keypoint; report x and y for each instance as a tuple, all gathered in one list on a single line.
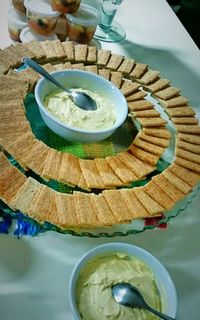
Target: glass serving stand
[(116, 143)]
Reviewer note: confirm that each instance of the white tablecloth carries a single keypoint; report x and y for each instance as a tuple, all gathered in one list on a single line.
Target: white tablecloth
[(34, 272)]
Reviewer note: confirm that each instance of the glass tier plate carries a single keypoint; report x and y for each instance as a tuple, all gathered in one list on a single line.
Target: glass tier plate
[(116, 143)]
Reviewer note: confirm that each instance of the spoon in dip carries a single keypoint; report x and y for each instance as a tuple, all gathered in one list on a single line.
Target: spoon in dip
[(81, 99), (128, 295)]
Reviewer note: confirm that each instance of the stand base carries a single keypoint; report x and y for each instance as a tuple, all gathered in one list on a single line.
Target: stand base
[(116, 33)]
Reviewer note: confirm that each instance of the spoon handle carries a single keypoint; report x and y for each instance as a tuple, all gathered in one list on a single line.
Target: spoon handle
[(159, 314), (35, 66)]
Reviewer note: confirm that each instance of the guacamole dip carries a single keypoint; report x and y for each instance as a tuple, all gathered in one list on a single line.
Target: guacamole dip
[(63, 108), (93, 291)]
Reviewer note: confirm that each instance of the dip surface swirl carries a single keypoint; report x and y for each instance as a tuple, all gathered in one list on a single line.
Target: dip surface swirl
[(93, 291), (64, 109)]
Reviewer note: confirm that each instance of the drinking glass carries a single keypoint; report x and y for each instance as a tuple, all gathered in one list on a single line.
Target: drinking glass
[(109, 30)]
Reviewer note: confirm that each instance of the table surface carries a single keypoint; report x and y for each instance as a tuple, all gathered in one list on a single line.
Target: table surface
[(35, 272)]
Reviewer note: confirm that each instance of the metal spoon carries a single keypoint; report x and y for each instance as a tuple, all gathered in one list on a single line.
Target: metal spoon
[(81, 99), (128, 295)]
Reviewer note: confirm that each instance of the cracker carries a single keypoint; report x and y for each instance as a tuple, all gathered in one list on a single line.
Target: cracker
[(12, 106), (135, 206), (78, 66), (43, 206), (22, 51), (168, 188), (53, 49), (121, 170), (103, 57), (193, 157), (103, 210), (18, 126), (59, 66), (8, 116), (191, 129), (114, 61), (15, 58), (52, 164), (91, 68), (80, 52), (156, 193), (15, 93), (29, 74), (181, 185), (68, 65), (6, 131), (108, 176), (146, 113), (91, 174), (31, 79), (35, 159), (152, 122), (105, 73), (129, 87), (4, 65), (157, 85), (187, 164), (149, 77), (152, 206), (136, 96), (49, 67), (188, 146), (155, 140), (195, 139), (9, 82), (26, 195), (92, 54), (126, 66), (116, 78), (139, 167), (157, 132), (174, 102), (189, 176), (138, 70), (117, 205), (183, 111), (140, 105), (14, 146), (11, 180), (66, 216), (147, 146), (69, 50), (143, 155), (184, 120), (70, 171), (4, 163), (167, 93), (35, 48), (85, 213)]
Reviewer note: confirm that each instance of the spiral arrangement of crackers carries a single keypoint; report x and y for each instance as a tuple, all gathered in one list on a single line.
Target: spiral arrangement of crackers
[(111, 175)]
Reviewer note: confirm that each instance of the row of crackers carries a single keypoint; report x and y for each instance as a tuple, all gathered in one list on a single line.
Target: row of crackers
[(17, 138), (80, 210)]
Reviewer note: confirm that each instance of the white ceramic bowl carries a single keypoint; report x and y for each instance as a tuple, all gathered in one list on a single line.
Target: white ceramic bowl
[(84, 80), (163, 280)]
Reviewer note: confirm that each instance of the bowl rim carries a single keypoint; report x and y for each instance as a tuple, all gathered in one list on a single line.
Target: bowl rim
[(74, 129), (131, 249)]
